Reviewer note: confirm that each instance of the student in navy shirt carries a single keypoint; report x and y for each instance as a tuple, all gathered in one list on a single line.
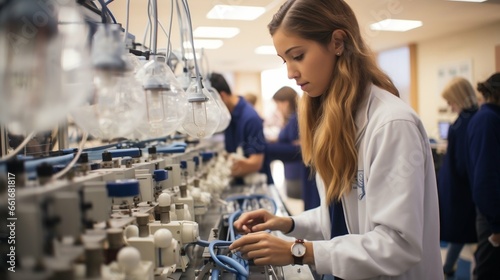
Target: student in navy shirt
[(457, 210), (483, 135), (246, 131), (299, 181)]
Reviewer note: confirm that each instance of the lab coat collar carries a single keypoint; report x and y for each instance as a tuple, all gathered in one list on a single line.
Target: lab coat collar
[(361, 118)]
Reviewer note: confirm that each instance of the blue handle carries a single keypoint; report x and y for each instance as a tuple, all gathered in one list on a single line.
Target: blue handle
[(132, 152)]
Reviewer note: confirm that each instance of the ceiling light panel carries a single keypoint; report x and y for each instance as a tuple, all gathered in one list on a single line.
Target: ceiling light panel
[(233, 12), (399, 25), (204, 44), (266, 49), (474, 1), (215, 32), (189, 55)]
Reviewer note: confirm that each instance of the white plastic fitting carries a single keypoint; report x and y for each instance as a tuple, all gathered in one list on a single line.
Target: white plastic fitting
[(128, 259), (164, 200), (131, 231), (163, 238)]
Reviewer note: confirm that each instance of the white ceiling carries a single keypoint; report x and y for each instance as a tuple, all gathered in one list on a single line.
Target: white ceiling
[(440, 17)]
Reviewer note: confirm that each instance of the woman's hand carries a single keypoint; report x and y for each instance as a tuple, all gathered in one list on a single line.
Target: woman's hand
[(494, 239), (242, 166), (260, 220), (264, 249)]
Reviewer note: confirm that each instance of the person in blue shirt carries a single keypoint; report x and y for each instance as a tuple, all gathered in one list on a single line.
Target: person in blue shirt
[(245, 131), (299, 180), (457, 210), (483, 135)]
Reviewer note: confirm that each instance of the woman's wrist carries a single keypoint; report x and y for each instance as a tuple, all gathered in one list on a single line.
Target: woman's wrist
[(290, 225)]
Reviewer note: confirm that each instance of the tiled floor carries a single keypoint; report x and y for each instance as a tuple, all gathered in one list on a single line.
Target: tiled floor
[(464, 263)]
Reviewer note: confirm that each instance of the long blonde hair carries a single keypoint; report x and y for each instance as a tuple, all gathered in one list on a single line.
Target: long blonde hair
[(460, 92), (326, 123)]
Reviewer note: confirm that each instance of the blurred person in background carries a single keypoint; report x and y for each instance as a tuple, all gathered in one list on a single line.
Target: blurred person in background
[(483, 135), (457, 210), (299, 181), (251, 98), (245, 132)]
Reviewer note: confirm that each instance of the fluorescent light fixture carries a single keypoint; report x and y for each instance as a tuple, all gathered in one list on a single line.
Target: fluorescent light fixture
[(400, 25), (215, 32), (234, 12), (266, 49), (204, 44), (189, 55), (474, 1)]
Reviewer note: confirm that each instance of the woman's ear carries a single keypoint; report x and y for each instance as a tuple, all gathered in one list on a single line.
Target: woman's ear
[(337, 41)]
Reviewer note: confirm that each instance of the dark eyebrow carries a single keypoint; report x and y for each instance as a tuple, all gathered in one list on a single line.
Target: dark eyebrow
[(290, 49)]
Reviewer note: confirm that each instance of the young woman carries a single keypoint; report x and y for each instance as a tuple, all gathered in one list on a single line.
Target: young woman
[(298, 180), (379, 216), (457, 210)]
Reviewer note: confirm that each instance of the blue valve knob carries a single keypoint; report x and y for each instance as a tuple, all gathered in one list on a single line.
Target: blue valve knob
[(160, 175), (123, 188)]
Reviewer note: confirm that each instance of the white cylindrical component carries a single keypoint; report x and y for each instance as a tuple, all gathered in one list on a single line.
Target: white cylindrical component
[(164, 200), (131, 231), (128, 258), (163, 238), (190, 232)]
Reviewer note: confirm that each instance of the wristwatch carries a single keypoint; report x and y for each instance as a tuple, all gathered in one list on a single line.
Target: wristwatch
[(298, 251)]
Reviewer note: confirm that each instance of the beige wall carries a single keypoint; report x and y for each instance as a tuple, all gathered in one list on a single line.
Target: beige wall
[(477, 46), (497, 58), (248, 82)]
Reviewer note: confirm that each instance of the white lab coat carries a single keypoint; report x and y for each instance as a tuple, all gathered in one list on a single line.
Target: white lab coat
[(392, 211)]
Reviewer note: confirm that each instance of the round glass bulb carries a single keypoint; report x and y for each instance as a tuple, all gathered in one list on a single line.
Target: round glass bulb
[(45, 70), (116, 108), (118, 101), (203, 113), (225, 117), (166, 101)]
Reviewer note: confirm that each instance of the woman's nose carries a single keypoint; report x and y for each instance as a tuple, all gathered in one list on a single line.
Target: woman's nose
[(292, 73)]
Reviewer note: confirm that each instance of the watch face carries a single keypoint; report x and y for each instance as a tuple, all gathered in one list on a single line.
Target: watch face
[(298, 249)]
